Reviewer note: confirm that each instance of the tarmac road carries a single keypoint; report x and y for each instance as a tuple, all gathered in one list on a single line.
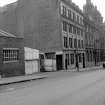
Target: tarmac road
[(63, 89)]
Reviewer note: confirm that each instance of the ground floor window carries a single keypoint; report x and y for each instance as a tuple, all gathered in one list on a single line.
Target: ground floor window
[(10, 54), (50, 55), (80, 57), (72, 58)]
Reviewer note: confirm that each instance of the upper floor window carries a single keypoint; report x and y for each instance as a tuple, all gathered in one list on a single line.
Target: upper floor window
[(69, 14), (74, 16), (77, 18), (78, 31), (79, 44), (70, 28), (75, 43), (70, 43), (65, 42), (64, 26), (74, 30), (81, 32), (64, 11)]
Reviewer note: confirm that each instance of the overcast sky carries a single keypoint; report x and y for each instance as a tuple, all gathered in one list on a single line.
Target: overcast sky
[(99, 3)]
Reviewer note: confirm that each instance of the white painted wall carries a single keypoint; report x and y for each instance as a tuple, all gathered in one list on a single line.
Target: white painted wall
[(50, 64), (31, 60)]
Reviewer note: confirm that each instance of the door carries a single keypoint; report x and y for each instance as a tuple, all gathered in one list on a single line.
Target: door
[(59, 63), (83, 60)]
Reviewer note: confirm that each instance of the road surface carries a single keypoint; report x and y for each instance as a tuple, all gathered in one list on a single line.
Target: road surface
[(81, 89)]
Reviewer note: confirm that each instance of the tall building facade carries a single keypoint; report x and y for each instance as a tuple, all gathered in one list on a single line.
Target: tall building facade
[(92, 12), (55, 27), (58, 28), (94, 34)]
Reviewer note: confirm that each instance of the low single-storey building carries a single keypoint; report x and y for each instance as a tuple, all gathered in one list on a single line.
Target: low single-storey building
[(11, 55)]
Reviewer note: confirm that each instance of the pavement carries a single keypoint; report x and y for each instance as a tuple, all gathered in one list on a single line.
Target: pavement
[(17, 79)]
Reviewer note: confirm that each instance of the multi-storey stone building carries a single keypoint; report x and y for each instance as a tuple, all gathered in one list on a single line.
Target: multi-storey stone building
[(94, 34), (89, 41), (55, 27), (92, 12), (72, 33)]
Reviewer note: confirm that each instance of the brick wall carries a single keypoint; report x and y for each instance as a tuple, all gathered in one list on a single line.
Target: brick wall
[(39, 21), (13, 68)]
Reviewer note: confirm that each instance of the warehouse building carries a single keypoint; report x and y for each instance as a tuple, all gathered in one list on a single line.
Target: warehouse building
[(11, 55)]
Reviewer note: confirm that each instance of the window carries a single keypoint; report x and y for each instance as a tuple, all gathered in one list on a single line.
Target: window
[(81, 21), (70, 28), (77, 18), (69, 14), (64, 11), (10, 54), (81, 32), (75, 30), (72, 58), (64, 26), (82, 44), (79, 44), (78, 31), (75, 43), (67, 59), (70, 43), (80, 57), (50, 56), (74, 16), (65, 42)]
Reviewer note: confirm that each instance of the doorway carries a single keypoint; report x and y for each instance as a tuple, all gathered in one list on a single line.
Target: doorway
[(59, 63)]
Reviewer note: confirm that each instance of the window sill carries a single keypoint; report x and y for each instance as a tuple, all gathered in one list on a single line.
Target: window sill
[(4, 62)]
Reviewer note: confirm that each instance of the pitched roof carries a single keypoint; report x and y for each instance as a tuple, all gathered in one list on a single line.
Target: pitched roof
[(6, 34)]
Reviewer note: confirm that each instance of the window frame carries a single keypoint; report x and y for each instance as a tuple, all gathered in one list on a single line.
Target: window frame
[(10, 55)]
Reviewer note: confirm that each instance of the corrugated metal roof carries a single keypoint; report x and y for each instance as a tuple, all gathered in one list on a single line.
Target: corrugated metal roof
[(6, 34)]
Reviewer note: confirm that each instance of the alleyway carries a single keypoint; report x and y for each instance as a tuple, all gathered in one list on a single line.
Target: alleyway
[(72, 88)]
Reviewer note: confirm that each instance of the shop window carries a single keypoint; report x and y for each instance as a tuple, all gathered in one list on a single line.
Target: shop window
[(72, 58), (50, 56), (67, 58), (10, 54), (80, 57)]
